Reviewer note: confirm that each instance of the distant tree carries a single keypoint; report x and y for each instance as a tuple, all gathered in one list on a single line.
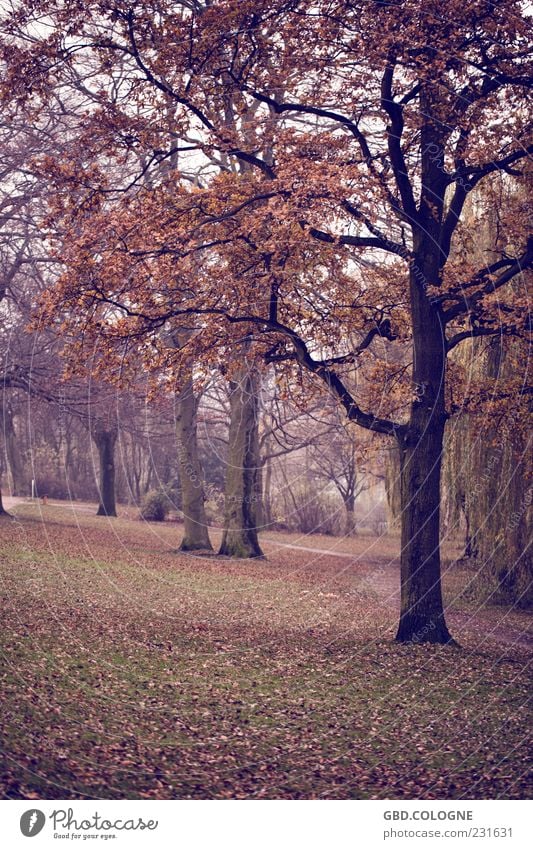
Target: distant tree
[(342, 459)]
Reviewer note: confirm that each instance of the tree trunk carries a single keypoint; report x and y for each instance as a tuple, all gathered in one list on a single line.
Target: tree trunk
[(240, 522), (470, 542), (196, 535), (267, 492), (259, 506), (19, 483), (3, 511), (422, 615), (350, 527), (393, 486), (421, 444), (105, 442)]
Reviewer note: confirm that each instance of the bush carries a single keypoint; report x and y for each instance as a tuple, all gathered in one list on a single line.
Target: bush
[(155, 507), (63, 489), (214, 508), (309, 512)]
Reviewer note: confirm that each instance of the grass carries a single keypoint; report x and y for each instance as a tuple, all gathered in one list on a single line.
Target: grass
[(131, 671)]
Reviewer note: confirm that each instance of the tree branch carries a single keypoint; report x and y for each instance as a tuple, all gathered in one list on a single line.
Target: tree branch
[(394, 137), (514, 267)]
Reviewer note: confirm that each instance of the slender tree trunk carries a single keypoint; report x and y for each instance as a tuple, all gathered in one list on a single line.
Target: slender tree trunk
[(240, 526), (259, 506), (421, 445), (136, 487), (196, 535), (267, 492), (3, 511), (470, 543), (105, 441)]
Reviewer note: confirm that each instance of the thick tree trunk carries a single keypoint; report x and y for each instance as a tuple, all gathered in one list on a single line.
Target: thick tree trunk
[(422, 615), (19, 483), (350, 526), (3, 511), (105, 442), (421, 445), (240, 522), (196, 535)]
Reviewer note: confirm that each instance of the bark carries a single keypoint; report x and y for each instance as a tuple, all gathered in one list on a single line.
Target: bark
[(393, 486), (242, 486), (421, 445), (196, 535), (105, 440)]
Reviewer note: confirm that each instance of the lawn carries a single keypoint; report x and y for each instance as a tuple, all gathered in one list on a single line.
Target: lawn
[(132, 671)]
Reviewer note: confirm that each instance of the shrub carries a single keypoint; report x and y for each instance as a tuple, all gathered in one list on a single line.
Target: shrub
[(155, 507)]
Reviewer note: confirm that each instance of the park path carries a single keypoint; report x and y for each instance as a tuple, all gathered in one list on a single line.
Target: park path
[(328, 552), (10, 501), (381, 574)]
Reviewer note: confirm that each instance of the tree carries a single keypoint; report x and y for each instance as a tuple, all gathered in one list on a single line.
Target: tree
[(487, 471), (242, 492), (105, 438), (487, 460), (361, 142), (196, 534), (19, 478), (344, 458)]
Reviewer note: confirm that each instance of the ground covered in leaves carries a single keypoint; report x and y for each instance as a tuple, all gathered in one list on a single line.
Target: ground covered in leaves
[(132, 671)]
